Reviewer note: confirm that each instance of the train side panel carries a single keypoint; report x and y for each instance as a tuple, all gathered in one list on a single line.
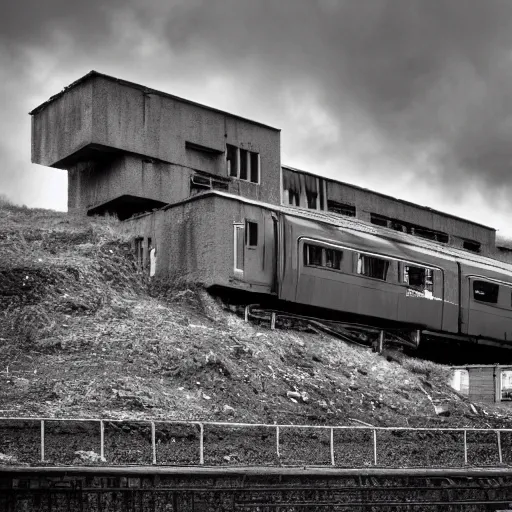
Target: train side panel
[(346, 289), (486, 302)]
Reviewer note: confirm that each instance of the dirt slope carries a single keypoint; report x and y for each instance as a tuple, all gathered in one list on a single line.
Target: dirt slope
[(83, 334)]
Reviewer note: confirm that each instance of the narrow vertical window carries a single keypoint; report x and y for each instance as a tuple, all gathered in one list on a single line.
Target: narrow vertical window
[(255, 167), (244, 161), (251, 233), (238, 247), (232, 160)]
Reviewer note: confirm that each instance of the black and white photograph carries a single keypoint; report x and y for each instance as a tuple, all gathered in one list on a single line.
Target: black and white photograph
[(256, 255)]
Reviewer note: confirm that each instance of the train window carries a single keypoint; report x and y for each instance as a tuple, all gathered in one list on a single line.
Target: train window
[(484, 291), (419, 278), (333, 258), (316, 256), (251, 233), (506, 384), (313, 255), (372, 267)]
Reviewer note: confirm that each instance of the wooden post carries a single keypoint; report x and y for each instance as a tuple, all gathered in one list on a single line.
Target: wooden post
[(273, 321), (246, 314), (201, 444), (381, 342), (498, 435), (42, 440), (153, 441), (332, 447), (277, 442)]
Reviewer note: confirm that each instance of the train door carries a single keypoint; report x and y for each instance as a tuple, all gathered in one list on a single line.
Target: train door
[(490, 309)]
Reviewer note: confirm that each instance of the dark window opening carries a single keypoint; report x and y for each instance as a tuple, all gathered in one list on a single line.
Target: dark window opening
[(333, 258), (313, 255), (506, 384), (471, 245), (304, 190), (243, 164), (251, 233), (484, 291), (419, 278), (255, 167), (341, 208), (379, 220), (317, 256), (139, 250), (372, 267), (232, 160)]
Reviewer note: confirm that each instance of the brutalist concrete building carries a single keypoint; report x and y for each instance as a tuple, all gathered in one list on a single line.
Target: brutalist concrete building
[(130, 150)]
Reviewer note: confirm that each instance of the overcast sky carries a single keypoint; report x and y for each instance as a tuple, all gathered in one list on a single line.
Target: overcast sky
[(409, 97)]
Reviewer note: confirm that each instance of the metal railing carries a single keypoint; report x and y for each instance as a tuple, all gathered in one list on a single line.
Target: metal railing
[(372, 435)]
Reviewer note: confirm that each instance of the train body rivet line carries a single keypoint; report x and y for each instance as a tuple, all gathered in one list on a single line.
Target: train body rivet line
[(277, 443), (153, 441), (465, 446), (500, 453), (102, 440), (201, 444), (381, 342), (42, 440), (273, 321), (374, 447), (333, 463)]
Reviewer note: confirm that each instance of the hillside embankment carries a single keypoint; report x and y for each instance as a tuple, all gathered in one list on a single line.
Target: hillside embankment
[(84, 334)]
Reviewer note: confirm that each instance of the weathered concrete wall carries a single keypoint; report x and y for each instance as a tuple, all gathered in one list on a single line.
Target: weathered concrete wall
[(195, 242), (368, 202), (93, 183), (64, 126), (101, 115)]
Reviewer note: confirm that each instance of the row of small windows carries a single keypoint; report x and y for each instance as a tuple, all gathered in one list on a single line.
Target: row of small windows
[(243, 164), (419, 278)]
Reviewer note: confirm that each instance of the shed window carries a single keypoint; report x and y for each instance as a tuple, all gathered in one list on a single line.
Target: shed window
[(372, 267), (232, 160), (484, 291), (506, 384), (251, 233), (317, 256), (471, 245), (419, 278), (304, 190), (341, 208)]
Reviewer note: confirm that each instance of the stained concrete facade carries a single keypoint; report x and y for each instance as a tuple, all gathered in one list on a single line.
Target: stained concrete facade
[(387, 211), (122, 142)]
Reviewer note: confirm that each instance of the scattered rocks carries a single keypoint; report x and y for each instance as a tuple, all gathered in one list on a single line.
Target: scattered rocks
[(88, 457), (227, 409)]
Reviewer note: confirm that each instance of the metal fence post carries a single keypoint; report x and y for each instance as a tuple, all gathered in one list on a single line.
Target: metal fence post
[(153, 441), (272, 321), (277, 442), (332, 447), (201, 444), (374, 447), (42, 440), (465, 447), (498, 435), (102, 440)]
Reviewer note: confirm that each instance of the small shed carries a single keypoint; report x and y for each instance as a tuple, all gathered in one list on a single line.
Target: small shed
[(489, 383)]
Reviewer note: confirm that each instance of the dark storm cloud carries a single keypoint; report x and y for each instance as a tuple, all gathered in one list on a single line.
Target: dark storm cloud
[(34, 21), (428, 75)]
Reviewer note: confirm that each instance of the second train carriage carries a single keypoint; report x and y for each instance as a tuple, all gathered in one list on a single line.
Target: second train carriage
[(327, 261)]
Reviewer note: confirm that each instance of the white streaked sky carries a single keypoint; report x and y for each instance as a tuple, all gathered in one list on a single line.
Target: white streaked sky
[(409, 97)]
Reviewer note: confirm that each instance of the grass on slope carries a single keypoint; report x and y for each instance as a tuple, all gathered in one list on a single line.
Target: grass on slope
[(83, 334)]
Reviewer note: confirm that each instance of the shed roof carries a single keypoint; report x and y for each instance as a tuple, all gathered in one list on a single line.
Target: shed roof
[(96, 74)]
